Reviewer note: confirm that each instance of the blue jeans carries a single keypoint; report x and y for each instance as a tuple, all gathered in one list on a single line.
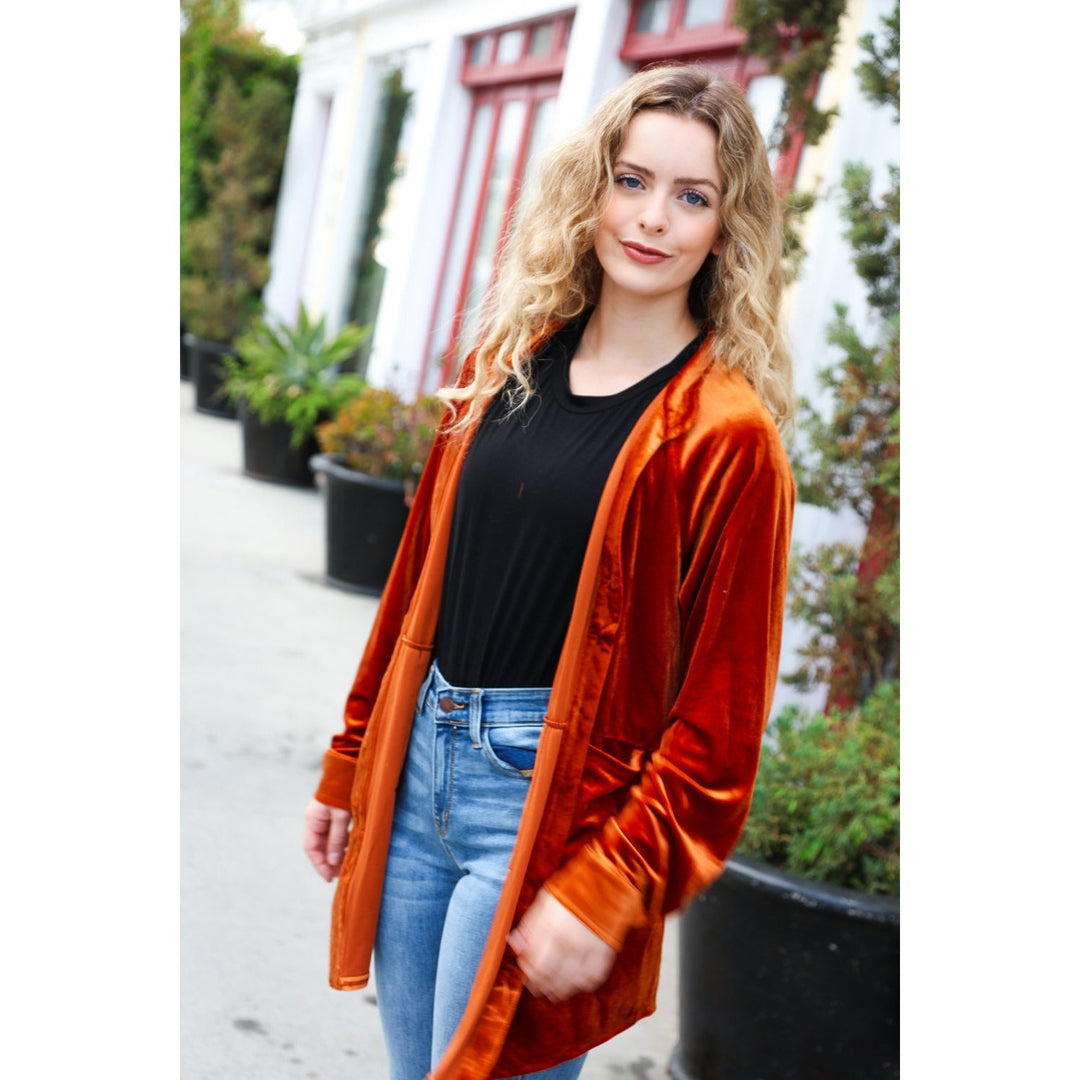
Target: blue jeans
[(456, 817)]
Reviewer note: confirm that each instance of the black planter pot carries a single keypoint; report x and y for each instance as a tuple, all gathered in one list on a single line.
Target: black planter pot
[(185, 350), (269, 454), (207, 375), (365, 518), (783, 978)]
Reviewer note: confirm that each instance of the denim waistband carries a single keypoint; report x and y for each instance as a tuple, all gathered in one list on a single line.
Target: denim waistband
[(477, 707), (504, 697)]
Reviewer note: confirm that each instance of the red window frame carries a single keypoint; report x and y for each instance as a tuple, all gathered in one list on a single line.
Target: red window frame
[(531, 79), (532, 93), (676, 39), (493, 72), (718, 46)]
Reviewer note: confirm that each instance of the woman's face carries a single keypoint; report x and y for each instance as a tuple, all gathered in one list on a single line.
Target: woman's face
[(662, 218)]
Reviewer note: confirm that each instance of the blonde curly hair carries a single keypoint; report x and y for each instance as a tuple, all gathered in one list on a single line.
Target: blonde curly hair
[(549, 273)]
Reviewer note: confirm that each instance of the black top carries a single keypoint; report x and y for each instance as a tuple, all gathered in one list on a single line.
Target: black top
[(524, 508)]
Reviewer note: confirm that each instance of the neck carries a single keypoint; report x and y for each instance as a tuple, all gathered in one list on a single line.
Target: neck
[(627, 339), (640, 333)]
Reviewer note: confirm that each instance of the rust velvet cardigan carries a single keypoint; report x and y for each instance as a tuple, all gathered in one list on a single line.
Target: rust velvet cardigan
[(647, 761)]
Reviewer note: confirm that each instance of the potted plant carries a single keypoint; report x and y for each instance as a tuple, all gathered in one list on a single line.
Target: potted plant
[(284, 381), (372, 454), (790, 962)]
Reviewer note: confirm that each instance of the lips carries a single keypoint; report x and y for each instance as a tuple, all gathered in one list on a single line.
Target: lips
[(641, 253)]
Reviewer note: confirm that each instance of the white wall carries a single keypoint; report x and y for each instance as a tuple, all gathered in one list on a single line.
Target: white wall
[(321, 137)]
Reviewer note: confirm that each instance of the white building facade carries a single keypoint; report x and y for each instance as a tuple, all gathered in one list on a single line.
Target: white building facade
[(487, 86)]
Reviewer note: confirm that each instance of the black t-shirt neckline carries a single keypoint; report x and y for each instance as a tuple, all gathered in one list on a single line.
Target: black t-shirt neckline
[(563, 345)]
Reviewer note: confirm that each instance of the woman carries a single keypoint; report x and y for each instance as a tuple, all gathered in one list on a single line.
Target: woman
[(552, 737)]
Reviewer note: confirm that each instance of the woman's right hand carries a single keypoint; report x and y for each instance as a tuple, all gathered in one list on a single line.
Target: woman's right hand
[(326, 835)]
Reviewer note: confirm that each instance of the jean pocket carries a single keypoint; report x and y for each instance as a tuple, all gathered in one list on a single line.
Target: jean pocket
[(511, 748)]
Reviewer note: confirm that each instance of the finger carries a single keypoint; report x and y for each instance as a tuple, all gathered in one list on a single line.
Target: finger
[(553, 992), (318, 860), (516, 940), (316, 826), (313, 845), (542, 982), (338, 839)]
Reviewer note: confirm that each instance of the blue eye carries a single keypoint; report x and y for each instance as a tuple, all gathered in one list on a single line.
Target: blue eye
[(629, 181), (695, 198)]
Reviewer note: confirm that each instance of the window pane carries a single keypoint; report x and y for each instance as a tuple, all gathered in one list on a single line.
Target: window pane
[(478, 50), (764, 96), (510, 45), (542, 36), (507, 144), (703, 12), (652, 17), (538, 137)]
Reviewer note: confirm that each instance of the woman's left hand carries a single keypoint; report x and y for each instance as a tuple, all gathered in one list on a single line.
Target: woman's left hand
[(557, 953)]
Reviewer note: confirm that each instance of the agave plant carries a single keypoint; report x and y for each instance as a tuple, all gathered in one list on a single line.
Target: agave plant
[(293, 374)]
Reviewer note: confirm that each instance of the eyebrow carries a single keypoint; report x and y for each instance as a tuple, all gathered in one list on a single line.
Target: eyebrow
[(695, 181)]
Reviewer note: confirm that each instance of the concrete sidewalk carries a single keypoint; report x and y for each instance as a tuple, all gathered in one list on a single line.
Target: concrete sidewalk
[(268, 653)]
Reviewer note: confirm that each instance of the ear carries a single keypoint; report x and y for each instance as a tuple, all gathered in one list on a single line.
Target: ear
[(719, 245)]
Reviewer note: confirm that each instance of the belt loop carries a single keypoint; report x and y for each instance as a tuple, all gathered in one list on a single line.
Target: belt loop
[(476, 713), (425, 686)]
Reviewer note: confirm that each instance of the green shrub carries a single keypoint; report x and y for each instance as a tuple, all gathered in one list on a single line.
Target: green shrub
[(827, 800), (379, 434)]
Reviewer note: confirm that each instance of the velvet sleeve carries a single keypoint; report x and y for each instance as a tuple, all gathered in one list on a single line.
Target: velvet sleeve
[(682, 819), (339, 762)]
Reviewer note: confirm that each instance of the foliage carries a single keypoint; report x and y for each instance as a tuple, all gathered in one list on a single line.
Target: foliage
[(798, 38), (380, 434), (236, 97), (794, 206), (879, 74), (827, 801), (213, 49), (294, 374), (205, 23), (851, 458)]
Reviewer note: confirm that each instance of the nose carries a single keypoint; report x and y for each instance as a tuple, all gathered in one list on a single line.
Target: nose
[(653, 218)]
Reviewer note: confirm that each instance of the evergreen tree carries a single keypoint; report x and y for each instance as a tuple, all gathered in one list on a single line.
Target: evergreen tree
[(236, 97), (849, 596), (797, 38), (220, 296), (206, 23)]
